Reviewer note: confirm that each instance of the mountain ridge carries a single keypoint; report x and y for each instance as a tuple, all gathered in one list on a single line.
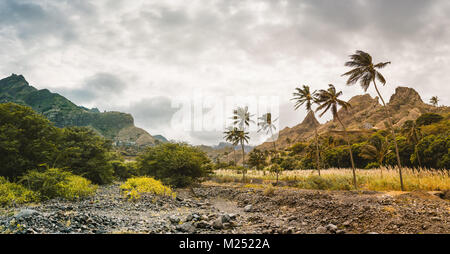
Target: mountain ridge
[(114, 125)]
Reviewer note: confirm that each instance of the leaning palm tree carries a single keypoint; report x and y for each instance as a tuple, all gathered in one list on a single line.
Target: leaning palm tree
[(413, 136), (434, 100), (231, 136), (303, 96), (266, 123), (328, 100), (366, 73), (242, 137)]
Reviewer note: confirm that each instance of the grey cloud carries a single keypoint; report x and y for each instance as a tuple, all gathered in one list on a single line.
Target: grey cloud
[(153, 113), (101, 86)]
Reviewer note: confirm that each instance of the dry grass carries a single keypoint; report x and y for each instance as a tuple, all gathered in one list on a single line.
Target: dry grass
[(384, 179)]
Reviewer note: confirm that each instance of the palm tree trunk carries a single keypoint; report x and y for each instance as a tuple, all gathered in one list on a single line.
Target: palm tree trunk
[(234, 155), (243, 162), (350, 149), (393, 134), (317, 150), (274, 146)]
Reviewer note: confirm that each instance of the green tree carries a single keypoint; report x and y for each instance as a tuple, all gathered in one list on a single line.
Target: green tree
[(85, 153), (277, 169), (243, 138), (303, 96), (328, 100), (175, 164), (376, 149), (257, 159), (27, 140), (366, 72), (231, 136), (413, 135)]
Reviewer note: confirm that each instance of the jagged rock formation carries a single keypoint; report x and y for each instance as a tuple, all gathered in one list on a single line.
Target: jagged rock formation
[(365, 115), (62, 112)]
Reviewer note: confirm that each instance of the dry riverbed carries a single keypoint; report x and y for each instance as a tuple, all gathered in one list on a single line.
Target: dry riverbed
[(235, 209)]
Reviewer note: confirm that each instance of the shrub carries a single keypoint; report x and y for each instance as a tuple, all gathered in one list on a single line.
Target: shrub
[(13, 193), (372, 165), (58, 183), (176, 165), (134, 187), (124, 170), (428, 118)]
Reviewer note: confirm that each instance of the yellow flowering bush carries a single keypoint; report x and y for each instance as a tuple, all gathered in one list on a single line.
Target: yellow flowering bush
[(15, 193), (134, 187)]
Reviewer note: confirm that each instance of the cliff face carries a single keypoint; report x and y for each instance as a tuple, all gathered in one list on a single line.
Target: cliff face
[(62, 112), (366, 113)]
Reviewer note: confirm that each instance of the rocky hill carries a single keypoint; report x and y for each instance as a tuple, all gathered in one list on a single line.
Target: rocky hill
[(365, 115), (62, 112)]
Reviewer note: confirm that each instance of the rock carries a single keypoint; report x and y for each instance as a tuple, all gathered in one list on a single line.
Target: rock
[(202, 224), (174, 219), (217, 224), (436, 219), (26, 213), (225, 218), (331, 227), (372, 233), (248, 208), (186, 227), (321, 230), (340, 232)]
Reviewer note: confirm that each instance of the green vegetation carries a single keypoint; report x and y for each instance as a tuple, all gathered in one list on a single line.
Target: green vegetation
[(55, 182), (177, 165), (133, 188), (13, 193)]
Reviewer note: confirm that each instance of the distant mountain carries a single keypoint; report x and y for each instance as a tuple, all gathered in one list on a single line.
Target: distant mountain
[(62, 112), (366, 114)]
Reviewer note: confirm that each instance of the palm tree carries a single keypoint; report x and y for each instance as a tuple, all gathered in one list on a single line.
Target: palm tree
[(413, 135), (376, 150), (241, 117), (434, 100), (366, 72), (303, 96), (328, 100), (266, 124), (242, 137), (231, 136)]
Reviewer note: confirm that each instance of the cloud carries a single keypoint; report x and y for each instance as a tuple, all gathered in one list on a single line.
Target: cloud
[(150, 51)]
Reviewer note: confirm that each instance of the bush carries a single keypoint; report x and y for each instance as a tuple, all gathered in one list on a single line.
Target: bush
[(124, 170), (372, 165), (176, 165), (428, 118), (55, 182), (134, 187), (13, 193)]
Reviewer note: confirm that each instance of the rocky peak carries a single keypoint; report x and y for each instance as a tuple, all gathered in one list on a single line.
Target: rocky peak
[(310, 120), (405, 95)]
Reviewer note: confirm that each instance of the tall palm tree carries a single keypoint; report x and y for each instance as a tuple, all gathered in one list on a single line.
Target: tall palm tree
[(328, 100), (434, 100), (266, 123), (413, 135), (242, 137), (366, 73), (303, 96), (231, 136)]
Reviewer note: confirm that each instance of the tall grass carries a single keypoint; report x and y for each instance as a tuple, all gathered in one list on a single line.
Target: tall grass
[(381, 179)]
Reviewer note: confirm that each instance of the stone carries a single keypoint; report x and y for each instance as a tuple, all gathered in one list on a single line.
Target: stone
[(331, 227), (321, 230), (186, 227), (217, 224), (174, 219), (248, 208), (26, 213), (202, 224), (225, 218)]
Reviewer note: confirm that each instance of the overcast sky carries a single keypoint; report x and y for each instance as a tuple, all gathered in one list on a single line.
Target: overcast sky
[(137, 56)]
